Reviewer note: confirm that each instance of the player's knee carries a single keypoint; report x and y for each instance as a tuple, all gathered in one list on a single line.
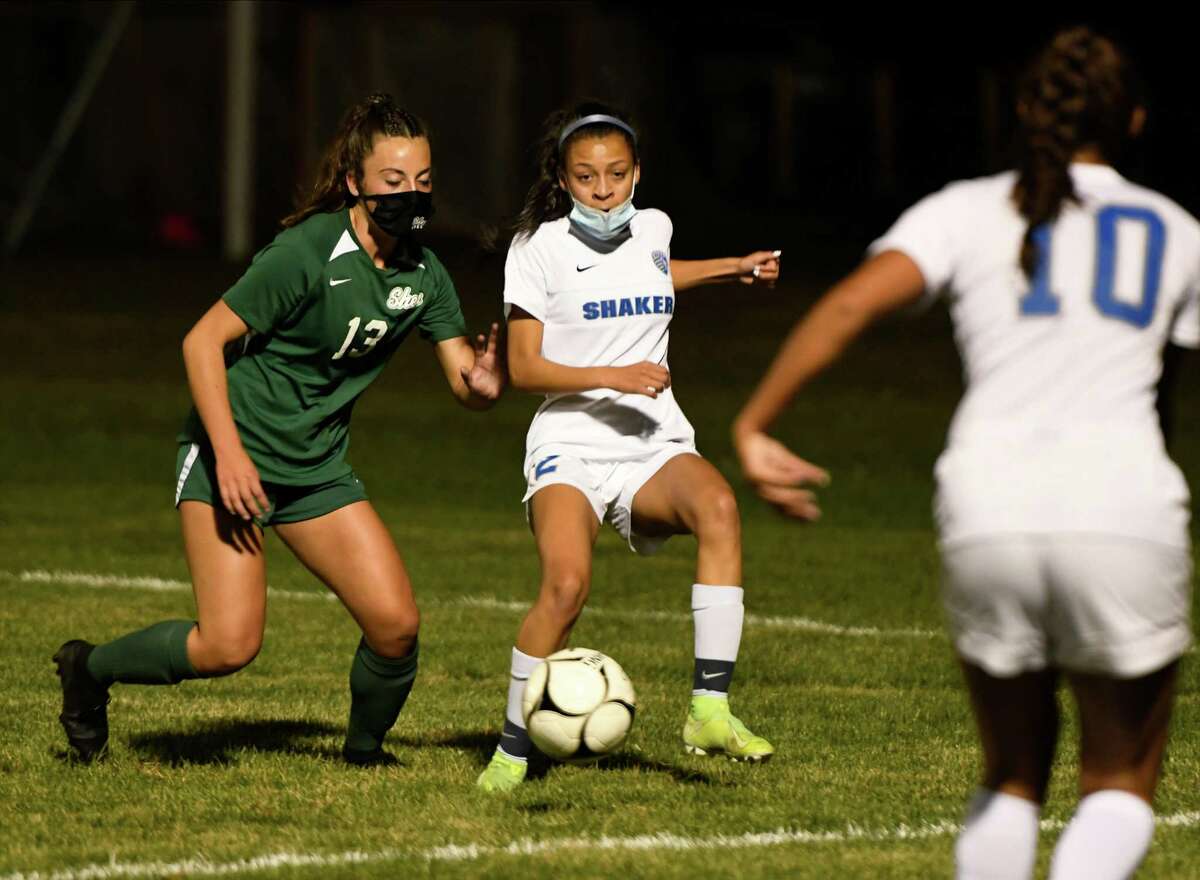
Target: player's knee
[(394, 633), (228, 654), (717, 517), (564, 594)]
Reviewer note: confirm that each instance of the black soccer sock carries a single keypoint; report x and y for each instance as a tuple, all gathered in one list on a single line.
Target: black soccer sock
[(379, 687), (154, 655)]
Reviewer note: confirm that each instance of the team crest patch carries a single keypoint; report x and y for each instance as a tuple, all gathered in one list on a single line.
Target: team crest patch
[(400, 298), (662, 261)]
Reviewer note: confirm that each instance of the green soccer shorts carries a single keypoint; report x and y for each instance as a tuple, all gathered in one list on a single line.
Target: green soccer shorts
[(196, 480)]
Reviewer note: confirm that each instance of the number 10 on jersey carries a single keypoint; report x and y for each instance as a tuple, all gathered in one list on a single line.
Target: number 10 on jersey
[(1041, 299)]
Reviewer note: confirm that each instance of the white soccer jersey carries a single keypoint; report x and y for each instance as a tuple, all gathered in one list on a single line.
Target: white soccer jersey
[(599, 310), (1057, 431)]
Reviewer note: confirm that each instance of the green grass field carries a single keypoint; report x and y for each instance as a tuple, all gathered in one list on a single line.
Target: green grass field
[(239, 776)]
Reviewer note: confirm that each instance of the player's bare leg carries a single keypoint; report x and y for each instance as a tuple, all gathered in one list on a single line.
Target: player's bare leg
[(1018, 722), (1123, 737), (225, 556), (351, 551), (229, 580), (689, 495), (565, 528)]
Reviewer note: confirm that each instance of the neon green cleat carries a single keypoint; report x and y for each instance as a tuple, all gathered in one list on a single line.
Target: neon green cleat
[(711, 729), (502, 774)]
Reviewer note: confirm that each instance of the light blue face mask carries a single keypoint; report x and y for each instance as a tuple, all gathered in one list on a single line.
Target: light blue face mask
[(604, 224)]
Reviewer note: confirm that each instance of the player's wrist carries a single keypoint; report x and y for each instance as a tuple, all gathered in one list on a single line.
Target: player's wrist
[(227, 447), (744, 427)]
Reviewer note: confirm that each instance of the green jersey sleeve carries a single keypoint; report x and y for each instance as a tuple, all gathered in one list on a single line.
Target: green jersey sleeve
[(443, 318), (274, 285)]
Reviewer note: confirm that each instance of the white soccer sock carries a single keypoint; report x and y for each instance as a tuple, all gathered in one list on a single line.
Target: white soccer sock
[(999, 838), (1106, 839), (514, 728), (717, 613)]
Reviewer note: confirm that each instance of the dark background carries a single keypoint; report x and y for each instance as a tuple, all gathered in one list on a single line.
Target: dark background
[(759, 127)]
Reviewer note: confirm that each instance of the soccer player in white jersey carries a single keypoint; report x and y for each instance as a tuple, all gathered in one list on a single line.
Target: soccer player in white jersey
[(589, 293), (1063, 523)]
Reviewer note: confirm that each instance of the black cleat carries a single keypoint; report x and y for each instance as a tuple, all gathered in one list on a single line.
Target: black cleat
[(377, 758), (85, 702)]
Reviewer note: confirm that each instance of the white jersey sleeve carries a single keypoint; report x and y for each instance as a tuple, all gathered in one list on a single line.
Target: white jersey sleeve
[(525, 283), (925, 233)]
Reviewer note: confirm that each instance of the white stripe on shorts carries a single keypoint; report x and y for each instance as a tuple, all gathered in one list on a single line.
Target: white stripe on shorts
[(185, 470)]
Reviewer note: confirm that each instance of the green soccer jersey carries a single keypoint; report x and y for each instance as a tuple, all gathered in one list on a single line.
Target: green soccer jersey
[(324, 321)]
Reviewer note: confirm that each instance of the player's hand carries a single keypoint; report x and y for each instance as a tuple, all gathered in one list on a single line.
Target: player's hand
[(780, 476), (485, 378), (760, 267), (645, 378), (241, 490)]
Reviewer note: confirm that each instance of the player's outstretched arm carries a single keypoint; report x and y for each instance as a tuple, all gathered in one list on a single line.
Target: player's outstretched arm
[(204, 359), (760, 267), (530, 371), (882, 284), (475, 372)]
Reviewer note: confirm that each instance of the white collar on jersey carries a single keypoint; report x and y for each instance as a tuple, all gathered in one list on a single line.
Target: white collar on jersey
[(345, 245)]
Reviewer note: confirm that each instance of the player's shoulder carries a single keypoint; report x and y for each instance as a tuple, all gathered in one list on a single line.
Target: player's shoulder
[(436, 276), (653, 219), (540, 243), (432, 262), (318, 239), (1178, 217), (973, 193)]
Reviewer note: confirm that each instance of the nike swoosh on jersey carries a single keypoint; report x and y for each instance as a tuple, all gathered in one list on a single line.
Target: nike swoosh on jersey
[(707, 675), (585, 268), (334, 282)]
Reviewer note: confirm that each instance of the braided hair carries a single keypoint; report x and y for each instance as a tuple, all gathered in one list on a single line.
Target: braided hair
[(1079, 92), (377, 115), (546, 199)]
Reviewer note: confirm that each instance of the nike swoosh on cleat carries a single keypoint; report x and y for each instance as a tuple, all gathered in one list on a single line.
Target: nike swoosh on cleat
[(708, 675), (334, 282), (509, 735), (585, 268)]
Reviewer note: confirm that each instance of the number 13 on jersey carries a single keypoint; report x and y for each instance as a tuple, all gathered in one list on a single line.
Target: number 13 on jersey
[(1041, 300), (373, 332)]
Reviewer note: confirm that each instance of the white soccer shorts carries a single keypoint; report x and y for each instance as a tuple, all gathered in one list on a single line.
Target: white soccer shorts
[(1098, 604), (609, 487)]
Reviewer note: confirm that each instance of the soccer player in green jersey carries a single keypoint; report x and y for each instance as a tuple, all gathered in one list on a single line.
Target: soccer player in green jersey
[(314, 320)]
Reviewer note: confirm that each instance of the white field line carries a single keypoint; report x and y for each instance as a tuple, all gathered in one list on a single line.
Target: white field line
[(804, 624), (200, 866)]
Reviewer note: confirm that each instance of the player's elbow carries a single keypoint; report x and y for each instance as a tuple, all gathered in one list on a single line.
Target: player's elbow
[(193, 340), (521, 372), (850, 307)]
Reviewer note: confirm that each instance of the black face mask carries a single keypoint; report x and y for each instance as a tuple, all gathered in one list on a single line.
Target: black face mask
[(401, 215)]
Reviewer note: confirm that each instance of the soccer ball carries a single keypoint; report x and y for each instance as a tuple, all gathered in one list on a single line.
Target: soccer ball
[(578, 705)]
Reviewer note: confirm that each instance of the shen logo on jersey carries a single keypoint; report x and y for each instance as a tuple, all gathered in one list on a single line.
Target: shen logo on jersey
[(662, 261), (629, 306), (400, 298)]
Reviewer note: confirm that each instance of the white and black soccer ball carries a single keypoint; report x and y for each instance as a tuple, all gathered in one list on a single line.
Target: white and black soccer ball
[(579, 705)]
